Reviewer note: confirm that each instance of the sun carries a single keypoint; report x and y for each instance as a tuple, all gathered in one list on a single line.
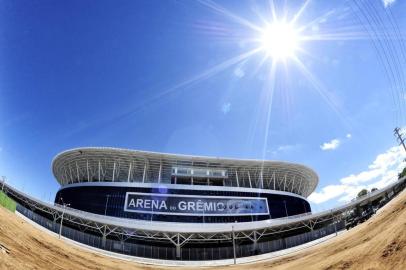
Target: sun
[(279, 40)]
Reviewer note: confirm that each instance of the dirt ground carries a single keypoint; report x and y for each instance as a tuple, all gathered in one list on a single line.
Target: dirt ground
[(379, 243)]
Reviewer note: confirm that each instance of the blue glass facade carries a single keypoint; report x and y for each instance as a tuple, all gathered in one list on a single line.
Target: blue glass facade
[(110, 200)]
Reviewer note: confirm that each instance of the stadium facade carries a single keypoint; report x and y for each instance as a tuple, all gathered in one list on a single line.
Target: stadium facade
[(160, 187)]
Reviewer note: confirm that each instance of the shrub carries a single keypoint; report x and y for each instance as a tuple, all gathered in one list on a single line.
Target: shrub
[(6, 202)]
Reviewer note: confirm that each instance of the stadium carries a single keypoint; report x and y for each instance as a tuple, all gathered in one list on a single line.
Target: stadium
[(177, 188), (203, 194), (182, 210)]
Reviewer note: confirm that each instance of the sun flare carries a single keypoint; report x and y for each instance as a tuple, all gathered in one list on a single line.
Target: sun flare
[(279, 40)]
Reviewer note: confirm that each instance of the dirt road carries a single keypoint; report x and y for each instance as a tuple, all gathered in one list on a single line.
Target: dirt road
[(379, 243)]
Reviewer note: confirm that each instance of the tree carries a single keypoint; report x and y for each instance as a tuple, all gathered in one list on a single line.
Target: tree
[(362, 193), (403, 173), (373, 189)]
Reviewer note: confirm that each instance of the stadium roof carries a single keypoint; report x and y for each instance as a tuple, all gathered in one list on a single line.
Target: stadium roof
[(93, 164)]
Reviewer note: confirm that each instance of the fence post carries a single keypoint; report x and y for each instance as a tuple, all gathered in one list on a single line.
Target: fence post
[(335, 225), (234, 253)]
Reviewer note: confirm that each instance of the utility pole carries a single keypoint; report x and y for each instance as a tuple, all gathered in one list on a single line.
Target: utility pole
[(399, 137)]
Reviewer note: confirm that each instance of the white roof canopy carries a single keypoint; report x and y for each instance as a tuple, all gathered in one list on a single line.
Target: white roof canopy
[(94, 164)]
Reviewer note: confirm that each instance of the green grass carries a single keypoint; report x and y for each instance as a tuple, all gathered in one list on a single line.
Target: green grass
[(6, 202)]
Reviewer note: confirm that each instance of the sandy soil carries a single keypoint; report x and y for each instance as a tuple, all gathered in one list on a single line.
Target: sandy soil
[(379, 243)]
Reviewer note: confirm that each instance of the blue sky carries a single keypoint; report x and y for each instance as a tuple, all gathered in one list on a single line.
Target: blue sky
[(168, 76)]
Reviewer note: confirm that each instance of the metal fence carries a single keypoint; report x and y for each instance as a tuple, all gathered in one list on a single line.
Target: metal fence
[(188, 253)]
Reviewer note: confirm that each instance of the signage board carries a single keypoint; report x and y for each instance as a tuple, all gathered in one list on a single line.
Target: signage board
[(195, 205)]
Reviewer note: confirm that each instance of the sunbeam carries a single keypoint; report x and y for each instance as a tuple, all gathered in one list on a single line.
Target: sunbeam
[(217, 8), (269, 98), (322, 91), (193, 80), (299, 13)]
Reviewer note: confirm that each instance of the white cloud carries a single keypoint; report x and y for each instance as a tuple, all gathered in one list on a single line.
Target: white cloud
[(361, 177), (387, 3), (226, 108), (285, 148), (333, 144), (327, 193), (351, 192), (380, 173)]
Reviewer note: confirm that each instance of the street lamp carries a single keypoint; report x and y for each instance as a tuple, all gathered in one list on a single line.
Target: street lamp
[(63, 212)]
